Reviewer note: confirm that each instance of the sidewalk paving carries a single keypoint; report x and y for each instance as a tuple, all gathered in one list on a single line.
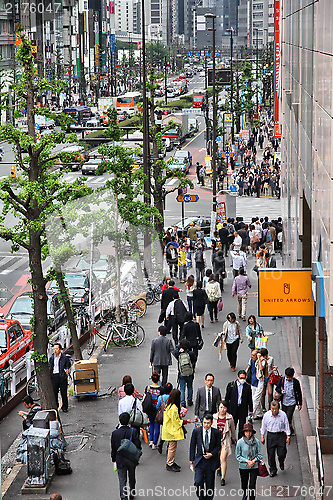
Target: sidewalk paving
[(89, 423)]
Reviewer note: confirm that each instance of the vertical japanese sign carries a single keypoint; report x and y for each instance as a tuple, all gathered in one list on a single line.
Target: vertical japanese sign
[(276, 66)]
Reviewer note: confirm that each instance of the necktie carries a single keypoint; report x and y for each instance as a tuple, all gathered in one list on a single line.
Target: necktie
[(206, 443), (209, 400)]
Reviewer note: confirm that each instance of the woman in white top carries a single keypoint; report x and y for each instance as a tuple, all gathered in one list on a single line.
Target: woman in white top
[(232, 335)]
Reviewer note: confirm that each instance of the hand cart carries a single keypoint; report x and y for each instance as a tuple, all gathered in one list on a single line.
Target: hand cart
[(85, 382)]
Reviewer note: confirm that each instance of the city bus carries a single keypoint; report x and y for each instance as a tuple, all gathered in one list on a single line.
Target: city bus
[(130, 102), (79, 113)]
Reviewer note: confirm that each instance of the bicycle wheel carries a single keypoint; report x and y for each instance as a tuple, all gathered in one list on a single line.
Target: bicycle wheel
[(91, 343), (141, 307), (32, 388), (108, 338), (119, 336), (4, 391), (157, 294), (149, 297), (138, 335)]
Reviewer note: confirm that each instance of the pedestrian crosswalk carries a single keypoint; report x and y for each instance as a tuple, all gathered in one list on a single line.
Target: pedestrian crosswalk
[(100, 180)]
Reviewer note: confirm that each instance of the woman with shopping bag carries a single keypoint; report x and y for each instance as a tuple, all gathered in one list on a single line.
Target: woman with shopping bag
[(254, 331), (232, 336)]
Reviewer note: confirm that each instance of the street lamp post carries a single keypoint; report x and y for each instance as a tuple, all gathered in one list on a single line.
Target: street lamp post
[(165, 80), (231, 86), (213, 16)]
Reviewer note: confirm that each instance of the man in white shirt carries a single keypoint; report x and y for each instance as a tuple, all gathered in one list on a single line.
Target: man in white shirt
[(237, 241), (126, 403), (275, 423), (238, 260)]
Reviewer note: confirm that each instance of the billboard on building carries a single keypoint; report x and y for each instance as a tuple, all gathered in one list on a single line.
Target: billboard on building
[(285, 292), (276, 67)]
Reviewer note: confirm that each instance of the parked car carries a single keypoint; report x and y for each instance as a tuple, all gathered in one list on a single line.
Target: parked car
[(202, 222), (15, 342), (22, 310), (78, 284), (91, 166), (101, 268), (183, 153)]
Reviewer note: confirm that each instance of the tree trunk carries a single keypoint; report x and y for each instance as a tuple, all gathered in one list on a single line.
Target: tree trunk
[(70, 315), (40, 330)]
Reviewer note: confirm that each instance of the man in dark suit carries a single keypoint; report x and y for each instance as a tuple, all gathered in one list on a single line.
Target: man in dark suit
[(223, 235), (179, 313), (59, 366), (271, 261), (208, 398), (125, 467), (160, 353), (204, 456), (239, 398), (168, 295)]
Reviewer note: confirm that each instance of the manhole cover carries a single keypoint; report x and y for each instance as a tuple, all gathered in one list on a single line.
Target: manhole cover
[(76, 442)]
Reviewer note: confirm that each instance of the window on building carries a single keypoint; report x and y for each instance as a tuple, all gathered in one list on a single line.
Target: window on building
[(258, 6), (258, 15)]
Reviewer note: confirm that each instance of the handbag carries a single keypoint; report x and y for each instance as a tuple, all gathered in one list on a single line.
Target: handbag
[(159, 414), (220, 306), (262, 469), (161, 317), (260, 342), (128, 450), (274, 377), (147, 403), (200, 343), (137, 417), (223, 346), (217, 340)]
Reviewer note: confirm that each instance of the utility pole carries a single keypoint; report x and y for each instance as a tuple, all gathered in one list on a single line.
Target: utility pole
[(213, 17), (257, 67), (146, 159), (165, 80), (231, 87)]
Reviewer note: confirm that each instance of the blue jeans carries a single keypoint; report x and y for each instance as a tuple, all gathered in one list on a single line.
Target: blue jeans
[(191, 305), (183, 382), (154, 430)]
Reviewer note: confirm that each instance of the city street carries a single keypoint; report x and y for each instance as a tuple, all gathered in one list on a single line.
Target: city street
[(89, 423)]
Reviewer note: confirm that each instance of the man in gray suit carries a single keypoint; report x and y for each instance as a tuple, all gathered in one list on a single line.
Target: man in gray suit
[(208, 398), (160, 353)]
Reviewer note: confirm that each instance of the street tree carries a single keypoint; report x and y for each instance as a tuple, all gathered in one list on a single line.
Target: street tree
[(40, 188)]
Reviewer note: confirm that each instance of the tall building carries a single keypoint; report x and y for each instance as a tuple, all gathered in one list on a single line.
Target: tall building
[(305, 91)]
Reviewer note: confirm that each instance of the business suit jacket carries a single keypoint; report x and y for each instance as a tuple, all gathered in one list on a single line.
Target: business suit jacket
[(64, 364), (271, 262), (223, 235), (196, 453), (200, 401), (124, 432), (192, 332), (231, 397), (160, 351), (167, 296)]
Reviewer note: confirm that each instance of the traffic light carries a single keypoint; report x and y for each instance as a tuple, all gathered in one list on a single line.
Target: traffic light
[(12, 171), (180, 191)]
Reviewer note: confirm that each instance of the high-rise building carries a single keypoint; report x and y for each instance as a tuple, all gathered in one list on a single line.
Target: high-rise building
[(305, 91)]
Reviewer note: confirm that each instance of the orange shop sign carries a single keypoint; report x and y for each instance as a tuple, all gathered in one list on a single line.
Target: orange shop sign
[(285, 292)]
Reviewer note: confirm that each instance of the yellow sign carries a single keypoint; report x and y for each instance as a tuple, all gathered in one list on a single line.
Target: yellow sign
[(208, 158), (227, 117), (285, 292)]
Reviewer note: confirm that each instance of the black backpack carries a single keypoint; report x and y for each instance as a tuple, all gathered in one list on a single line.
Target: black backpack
[(62, 465)]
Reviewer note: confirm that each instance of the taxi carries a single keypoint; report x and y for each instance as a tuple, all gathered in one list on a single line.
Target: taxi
[(15, 341)]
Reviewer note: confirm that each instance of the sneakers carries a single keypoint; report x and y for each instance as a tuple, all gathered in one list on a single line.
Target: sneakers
[(150, 443), (172, 468), (153, 447)]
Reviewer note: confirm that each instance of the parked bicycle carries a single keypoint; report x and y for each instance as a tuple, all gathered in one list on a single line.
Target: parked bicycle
[(4, 390), (124, 335)]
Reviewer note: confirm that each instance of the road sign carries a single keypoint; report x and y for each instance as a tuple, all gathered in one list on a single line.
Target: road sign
[(227, 154), (218, 139), (233, 188), (192, 111), (36, 126), (188, 198), (227, 117)]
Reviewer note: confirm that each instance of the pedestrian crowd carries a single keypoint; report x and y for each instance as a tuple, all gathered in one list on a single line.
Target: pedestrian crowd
[(255, 178)]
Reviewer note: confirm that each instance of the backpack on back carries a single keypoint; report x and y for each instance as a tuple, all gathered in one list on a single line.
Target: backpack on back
[(185, 365), (198, 256), (268, 236)]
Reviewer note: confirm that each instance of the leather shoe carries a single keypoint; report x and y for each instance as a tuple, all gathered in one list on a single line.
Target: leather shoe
[(65, 410), (272, 474), (282, 466), (233, 368), (222, 481), (189, 403)]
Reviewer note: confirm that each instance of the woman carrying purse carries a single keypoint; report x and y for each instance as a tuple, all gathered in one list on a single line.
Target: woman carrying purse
[(252, 331), (232, 335)]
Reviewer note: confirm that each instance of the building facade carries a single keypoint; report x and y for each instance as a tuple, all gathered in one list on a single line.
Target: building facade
[(305, 94)]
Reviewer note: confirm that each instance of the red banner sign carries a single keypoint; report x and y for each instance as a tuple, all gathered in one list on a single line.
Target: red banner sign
[(276, 66)]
